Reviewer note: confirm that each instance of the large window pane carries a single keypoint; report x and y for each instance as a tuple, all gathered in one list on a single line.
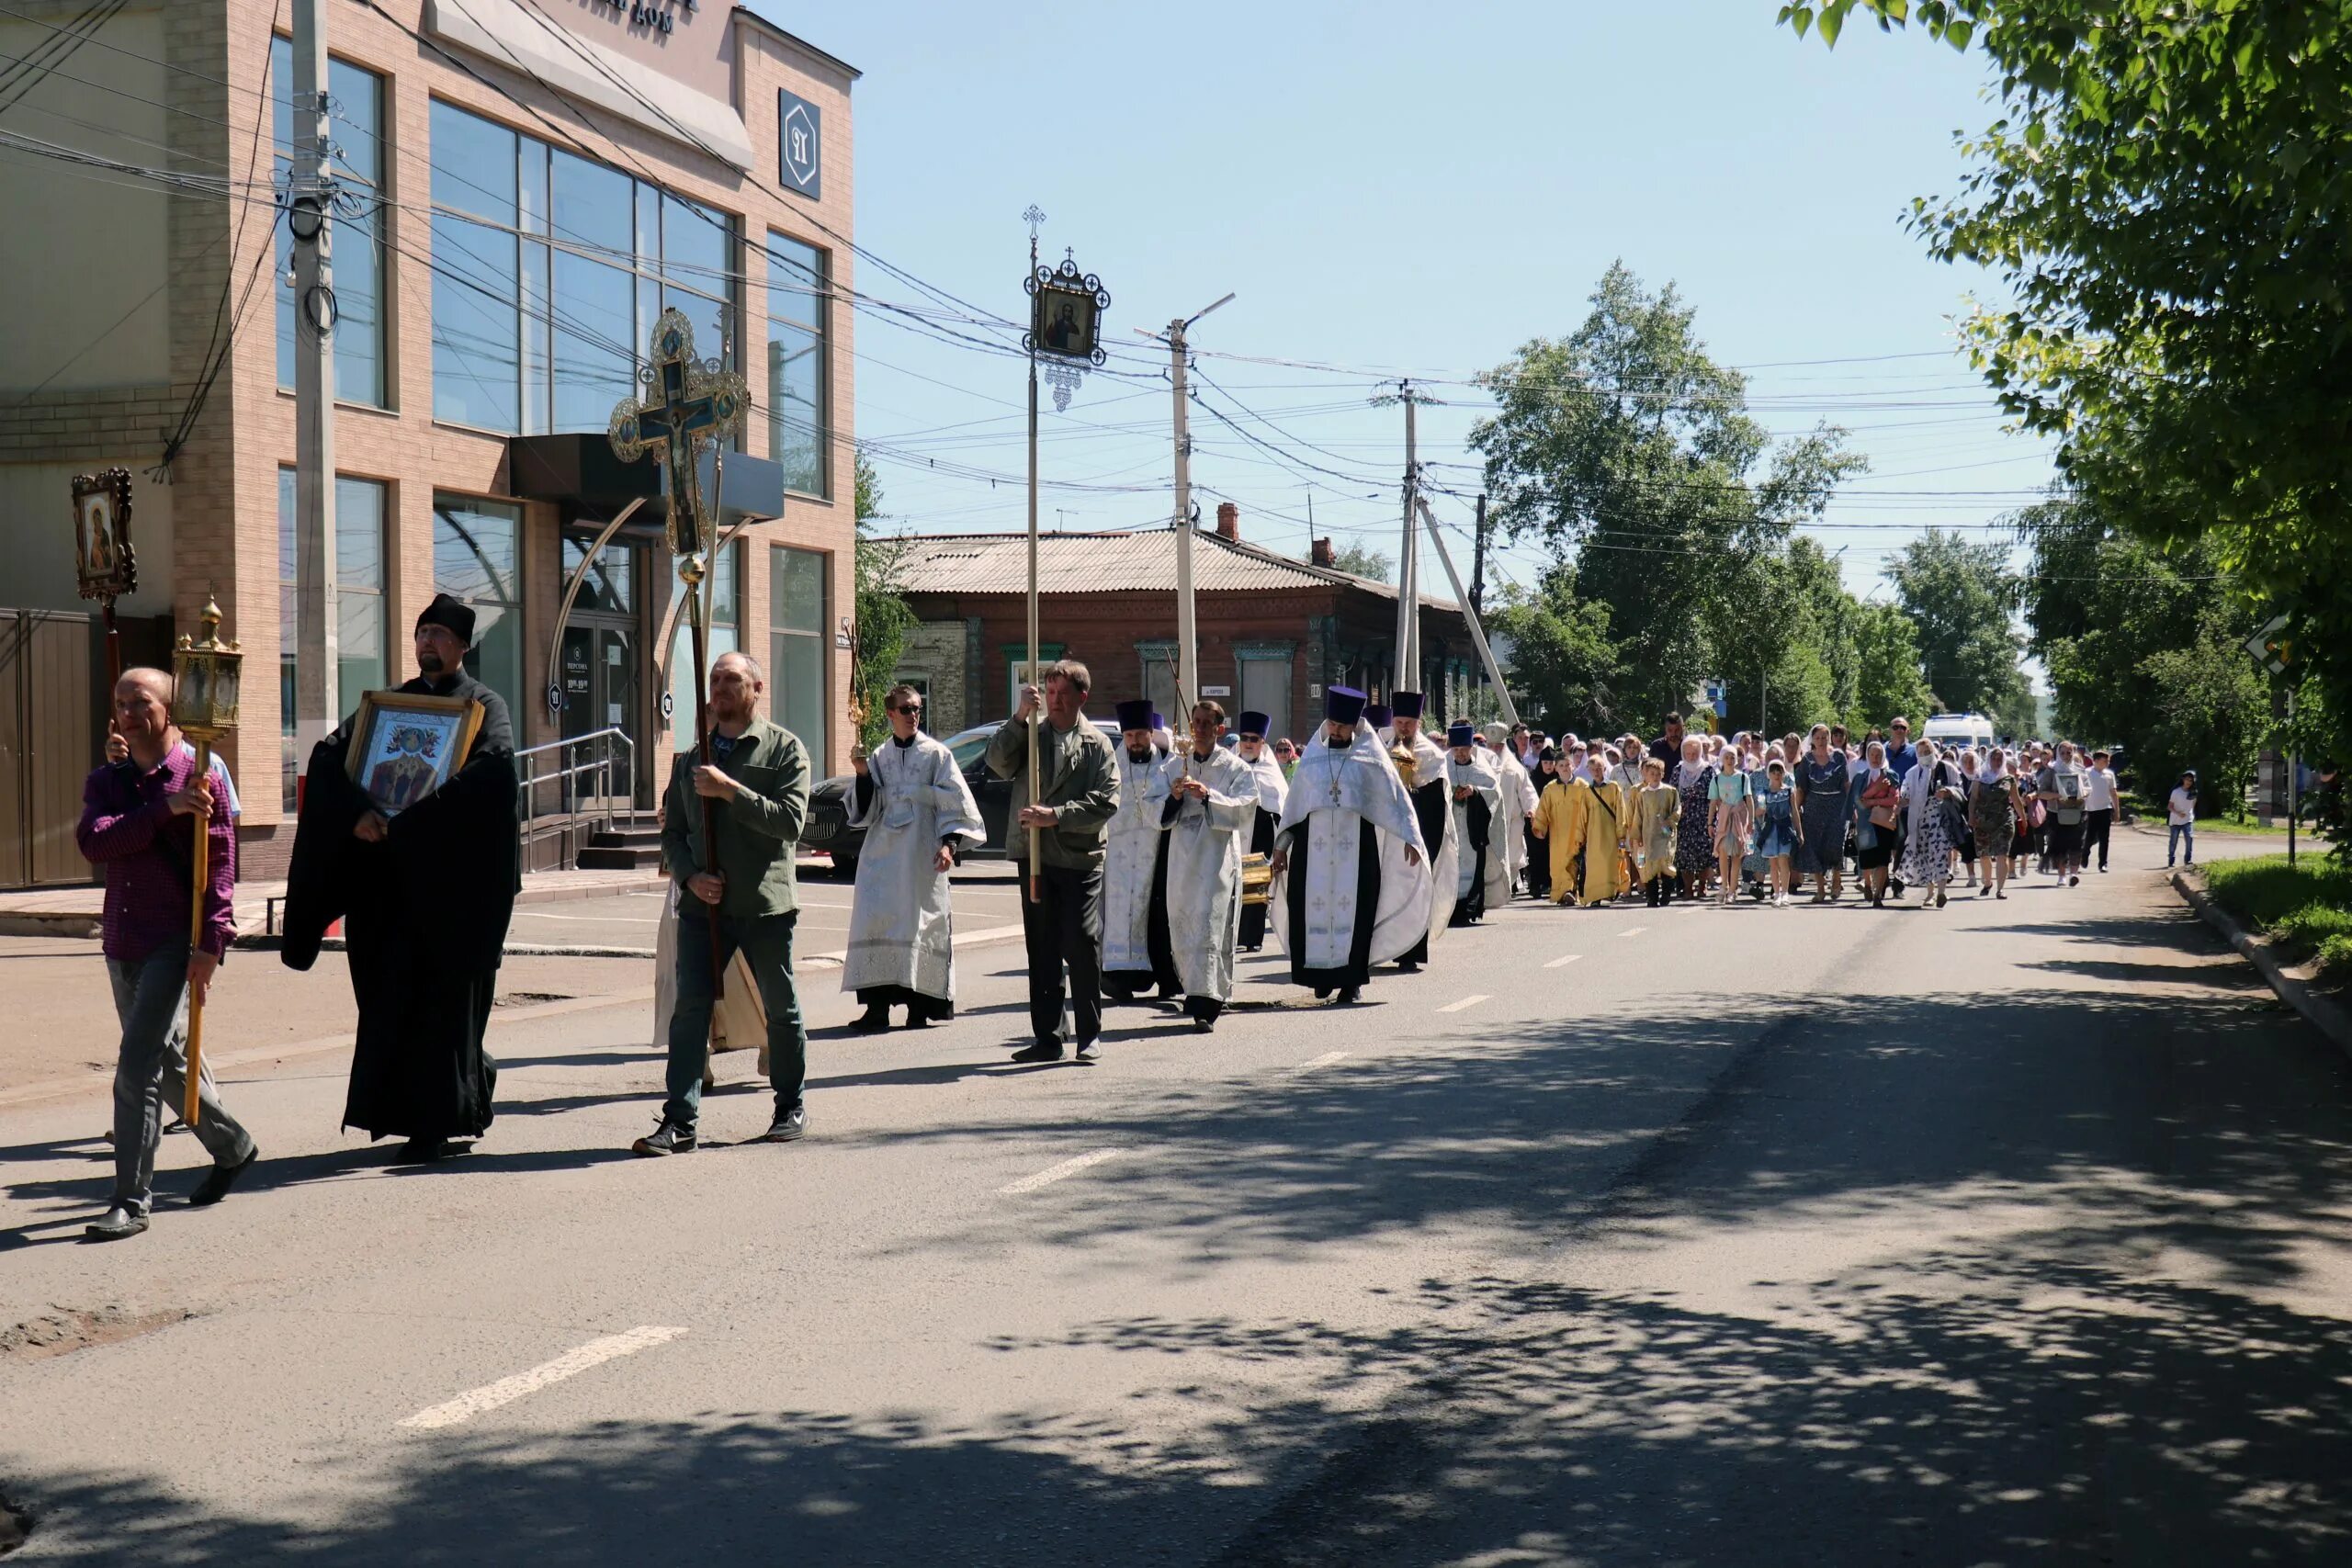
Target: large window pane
[(595, 311), (697, 249), (477, 545), (477, 343), (796, 607), (473, 164), (607, 585), (796, 393), (363, 649)]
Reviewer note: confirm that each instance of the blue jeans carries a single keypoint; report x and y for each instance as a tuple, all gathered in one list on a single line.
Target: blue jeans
[(151, 999), (766, 942), (2184, 836)]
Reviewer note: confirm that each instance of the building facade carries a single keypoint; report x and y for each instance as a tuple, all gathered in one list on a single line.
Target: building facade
[(1273, 631), (528, 184)]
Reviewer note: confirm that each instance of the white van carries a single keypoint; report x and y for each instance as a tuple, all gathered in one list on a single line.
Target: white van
[(1952, 731)]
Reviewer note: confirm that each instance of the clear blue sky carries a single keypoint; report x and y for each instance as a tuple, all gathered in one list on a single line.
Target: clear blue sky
[(1392, 187)]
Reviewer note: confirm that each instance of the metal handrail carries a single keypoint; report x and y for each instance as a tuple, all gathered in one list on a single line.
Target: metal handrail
[(612, 745)]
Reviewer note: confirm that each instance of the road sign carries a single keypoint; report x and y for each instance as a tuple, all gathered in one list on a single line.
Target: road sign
[(2269, 646)]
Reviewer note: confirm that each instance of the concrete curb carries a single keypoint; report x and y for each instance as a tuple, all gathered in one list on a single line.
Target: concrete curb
[(2323, 1012)]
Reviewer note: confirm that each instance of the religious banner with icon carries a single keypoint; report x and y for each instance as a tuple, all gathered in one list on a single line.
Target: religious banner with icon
[(406, 745), (104, 565)]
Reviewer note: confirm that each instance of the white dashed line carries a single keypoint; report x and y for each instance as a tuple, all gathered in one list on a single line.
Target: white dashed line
[(1325, 1060), (1633, 930), (1469, 1001), (1053, 1173), (1564, 961), (571, 1363)]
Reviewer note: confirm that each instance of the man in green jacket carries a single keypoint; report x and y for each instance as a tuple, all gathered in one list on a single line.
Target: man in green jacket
[(756, 778), (1079, 793)]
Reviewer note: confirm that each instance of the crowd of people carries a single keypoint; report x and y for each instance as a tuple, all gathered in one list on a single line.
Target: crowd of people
[(1147, 867)]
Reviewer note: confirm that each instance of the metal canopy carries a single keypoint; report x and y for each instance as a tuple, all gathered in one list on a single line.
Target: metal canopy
[(581, 471)]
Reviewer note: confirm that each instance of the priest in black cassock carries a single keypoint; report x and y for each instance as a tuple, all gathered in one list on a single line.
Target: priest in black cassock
[(1340, 906), (424, 896), (1433, 808)]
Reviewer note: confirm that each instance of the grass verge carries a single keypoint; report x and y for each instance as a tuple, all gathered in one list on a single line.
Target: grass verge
[(2306, 908)]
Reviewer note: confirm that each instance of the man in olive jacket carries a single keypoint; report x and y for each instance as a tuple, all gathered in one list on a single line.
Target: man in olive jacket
[(756, 778), (1079, 792)]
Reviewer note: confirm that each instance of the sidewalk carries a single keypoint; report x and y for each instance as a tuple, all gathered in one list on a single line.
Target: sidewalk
[(74, 911)]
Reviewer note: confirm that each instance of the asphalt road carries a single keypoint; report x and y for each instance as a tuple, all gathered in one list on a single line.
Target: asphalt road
[(2013, 1233), (985, 894)]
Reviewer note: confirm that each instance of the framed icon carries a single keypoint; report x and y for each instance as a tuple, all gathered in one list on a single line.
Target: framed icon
[(406, 745), (104, 566)]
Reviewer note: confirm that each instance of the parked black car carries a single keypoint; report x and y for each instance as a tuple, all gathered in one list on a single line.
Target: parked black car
[(828, 831)]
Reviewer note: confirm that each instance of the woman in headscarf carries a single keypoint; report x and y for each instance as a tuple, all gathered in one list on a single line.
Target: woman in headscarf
[(1693, 850), (1878, 803), (1994, 811), (1931, 795), (1822, 784)]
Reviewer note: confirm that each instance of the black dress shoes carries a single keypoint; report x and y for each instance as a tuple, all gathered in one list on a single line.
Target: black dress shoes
[(873, 1020), (220, 1178), (1044, 1051)]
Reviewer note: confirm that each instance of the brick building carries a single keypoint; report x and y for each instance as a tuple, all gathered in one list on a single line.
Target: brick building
[(1274, 630), (534, 181)]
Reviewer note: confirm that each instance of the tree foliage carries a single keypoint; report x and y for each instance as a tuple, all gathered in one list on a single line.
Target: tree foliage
[(883, 618), (1888, 681), (2164, 195), (1628, 453), (1562, 660), (1363, 561), (1959, 596)]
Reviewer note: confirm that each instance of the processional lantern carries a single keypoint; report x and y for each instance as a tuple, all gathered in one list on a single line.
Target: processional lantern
[(206, 675), (1066, 309)]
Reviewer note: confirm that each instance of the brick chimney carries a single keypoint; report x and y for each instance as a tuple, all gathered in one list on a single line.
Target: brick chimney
[(1321, 554), (1229, 521)]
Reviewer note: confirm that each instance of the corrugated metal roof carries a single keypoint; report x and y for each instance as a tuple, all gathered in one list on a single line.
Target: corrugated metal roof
[(1109, 563)]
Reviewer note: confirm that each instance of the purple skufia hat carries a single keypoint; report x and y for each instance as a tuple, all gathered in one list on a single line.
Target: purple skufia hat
[(1343, 705)]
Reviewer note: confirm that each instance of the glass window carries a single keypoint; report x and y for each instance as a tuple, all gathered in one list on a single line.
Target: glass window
[(796, 673), (473, 164), (477, 336), (362, 637), (798, 434), (355, 125), (477, 549), (607, 585)]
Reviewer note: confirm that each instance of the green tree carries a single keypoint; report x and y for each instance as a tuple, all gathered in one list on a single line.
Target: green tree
[(1563, 666), (883, 618), (2163, 194), (1888, 680), (1363, 561), (1625, 449), (1958, 596)]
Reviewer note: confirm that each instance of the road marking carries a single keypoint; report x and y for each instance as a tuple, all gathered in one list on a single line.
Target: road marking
[(1053, 1173), (1469, 1001), (571, 1363), (1564, 961), (1325, 1060), (1633, 930), (594, 920)]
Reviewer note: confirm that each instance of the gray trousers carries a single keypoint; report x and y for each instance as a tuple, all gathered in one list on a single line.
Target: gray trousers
[(151, 999)]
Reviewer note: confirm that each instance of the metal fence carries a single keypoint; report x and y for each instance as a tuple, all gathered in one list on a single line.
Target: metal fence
[(48, 743)]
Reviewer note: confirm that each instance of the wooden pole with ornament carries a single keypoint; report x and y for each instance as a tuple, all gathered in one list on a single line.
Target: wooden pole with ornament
[(205, 677)]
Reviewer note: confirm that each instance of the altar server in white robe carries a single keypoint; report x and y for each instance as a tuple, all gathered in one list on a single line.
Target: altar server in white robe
[(1340, 905), (914, 804), (1212, 799), (1272, 790), (1136, 951), (1477, 826), (1430, 797), (1518, 791)]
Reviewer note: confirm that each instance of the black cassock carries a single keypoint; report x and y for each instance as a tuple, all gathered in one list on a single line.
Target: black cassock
[(1358, 970), (1434, 809), (1253, 916), (1472, 906), (424, 916)]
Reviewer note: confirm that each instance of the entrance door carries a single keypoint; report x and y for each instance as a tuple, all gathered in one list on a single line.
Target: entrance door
[(599, 665)]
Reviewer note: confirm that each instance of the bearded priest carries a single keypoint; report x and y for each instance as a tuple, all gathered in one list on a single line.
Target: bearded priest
[(1136, 951), (1340, 905)]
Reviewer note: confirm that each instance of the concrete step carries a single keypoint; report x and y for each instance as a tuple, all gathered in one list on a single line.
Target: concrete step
[(620, 857)]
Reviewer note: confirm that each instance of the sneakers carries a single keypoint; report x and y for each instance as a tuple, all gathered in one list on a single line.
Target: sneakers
[(1089, 1051), (220, 1178), (790, 1126), (667, 1139), (117, 1222)]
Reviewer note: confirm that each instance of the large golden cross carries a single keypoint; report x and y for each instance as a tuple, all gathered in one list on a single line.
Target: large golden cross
[(689, 404)]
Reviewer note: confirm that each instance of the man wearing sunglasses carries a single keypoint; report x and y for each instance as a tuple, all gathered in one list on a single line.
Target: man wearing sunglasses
[(914, 804)]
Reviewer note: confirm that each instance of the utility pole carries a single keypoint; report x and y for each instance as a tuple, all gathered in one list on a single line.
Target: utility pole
[(1408, 576), (1188, 641), (318, 705), (1478, 559)]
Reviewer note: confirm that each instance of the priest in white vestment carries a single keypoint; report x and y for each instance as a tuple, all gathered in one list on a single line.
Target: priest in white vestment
[(1136, 951), (1518, 791), (1432, 809), (1477, 826), (1273, 788), (914, 804), (1212, 799), (1340, 906)]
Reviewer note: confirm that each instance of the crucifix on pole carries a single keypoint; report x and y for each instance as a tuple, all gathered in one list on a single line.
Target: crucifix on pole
[(688, 406)]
